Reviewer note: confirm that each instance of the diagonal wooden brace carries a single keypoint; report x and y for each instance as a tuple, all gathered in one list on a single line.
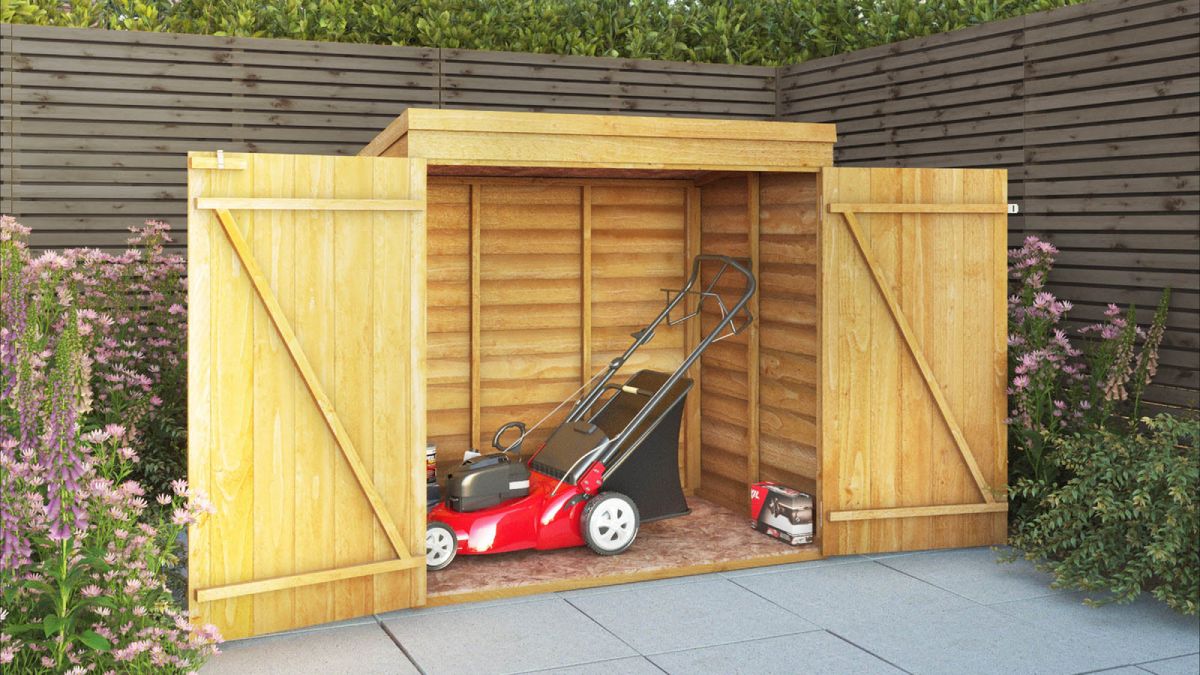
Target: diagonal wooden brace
[(310, 380), (919, 356)]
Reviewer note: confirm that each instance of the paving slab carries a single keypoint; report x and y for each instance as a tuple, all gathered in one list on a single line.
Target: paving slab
[(813, 653), (461, 606), (1145, 629), (840, 595), (504, 638), (787, 567), (686, 616), (357, 648), (974, 573), (1180, 665), (981, 640), (634, 665), (638, 585)]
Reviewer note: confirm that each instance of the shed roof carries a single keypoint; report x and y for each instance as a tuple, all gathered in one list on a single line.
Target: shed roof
[(520, 139)]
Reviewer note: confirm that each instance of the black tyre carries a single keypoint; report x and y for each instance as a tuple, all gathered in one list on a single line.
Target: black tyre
[(610, 523), (441, 545)]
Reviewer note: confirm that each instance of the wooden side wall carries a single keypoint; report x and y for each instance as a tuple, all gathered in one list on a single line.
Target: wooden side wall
[(758, 405), (787, 319), (537, 283), (725, 427)]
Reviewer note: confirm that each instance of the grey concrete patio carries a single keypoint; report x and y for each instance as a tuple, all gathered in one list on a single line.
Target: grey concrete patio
[(932, 612)]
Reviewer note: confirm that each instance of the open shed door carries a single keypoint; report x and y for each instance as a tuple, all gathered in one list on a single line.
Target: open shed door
[(913, 359), (306, 389)]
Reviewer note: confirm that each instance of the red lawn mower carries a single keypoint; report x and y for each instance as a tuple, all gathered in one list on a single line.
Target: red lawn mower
[(609, 466)]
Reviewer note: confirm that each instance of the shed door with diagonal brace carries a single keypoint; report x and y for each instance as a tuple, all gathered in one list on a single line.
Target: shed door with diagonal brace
[(306, 394), (913, 361)]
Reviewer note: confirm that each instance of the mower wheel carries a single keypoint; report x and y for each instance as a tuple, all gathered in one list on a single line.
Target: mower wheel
[(441, 545), (610, 523)]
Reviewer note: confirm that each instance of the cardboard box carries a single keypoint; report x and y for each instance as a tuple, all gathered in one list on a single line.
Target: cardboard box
[(781, 512)]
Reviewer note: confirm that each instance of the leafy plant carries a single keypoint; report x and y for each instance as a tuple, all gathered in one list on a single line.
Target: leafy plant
[(1057, 388), (82, 560), (1125, 517), (717, 31)]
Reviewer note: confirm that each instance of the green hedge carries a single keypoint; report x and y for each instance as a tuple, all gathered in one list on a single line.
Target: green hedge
[(758, 32)]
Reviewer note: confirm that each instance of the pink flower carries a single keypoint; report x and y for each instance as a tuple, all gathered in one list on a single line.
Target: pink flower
[(90, 591)]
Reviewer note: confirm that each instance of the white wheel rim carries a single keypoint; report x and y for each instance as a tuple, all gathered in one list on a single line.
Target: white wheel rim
[(612, 524), (439, 546)]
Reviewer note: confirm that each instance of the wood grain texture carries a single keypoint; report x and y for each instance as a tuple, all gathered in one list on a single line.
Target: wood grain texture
[(274, 535), (787, 365), (892, 417), (725, 436), (1092, 110)]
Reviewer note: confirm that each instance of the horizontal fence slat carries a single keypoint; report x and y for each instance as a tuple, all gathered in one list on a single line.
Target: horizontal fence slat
[(1094, 109)]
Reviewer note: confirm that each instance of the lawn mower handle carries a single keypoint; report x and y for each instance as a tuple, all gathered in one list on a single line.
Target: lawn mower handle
[(646, 334)]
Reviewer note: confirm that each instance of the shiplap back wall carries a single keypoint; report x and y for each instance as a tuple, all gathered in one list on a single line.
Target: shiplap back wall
[(1094, 109)]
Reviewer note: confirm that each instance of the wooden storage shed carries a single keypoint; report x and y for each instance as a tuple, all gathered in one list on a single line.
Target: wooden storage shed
[(469, 268)]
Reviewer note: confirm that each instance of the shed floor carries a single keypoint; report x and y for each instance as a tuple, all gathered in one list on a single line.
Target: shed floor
[(710, 535)]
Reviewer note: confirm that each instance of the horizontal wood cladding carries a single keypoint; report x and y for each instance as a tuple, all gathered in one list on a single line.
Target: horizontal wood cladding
[(1095, 111), (787, 320), (96, 123), (527, 275), (725, 420)]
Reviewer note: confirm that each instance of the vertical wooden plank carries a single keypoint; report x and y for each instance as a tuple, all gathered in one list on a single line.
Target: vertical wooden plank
[(916, 414), (691, 477), (999, 332), (857, 296), (886, 451), (476, 425), (353, 364), (414, 518), (978, 342), (585, 280), (753, 217), (389, 347), (944, 238), (231, 539), (317, 457), (203, 229), (820, 508), (828, 456), (274, 399)]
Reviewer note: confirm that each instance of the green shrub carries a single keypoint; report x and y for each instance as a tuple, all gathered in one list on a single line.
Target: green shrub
[(1125, 518), (717, 31)]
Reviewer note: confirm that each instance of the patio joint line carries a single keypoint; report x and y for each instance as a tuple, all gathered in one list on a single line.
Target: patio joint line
[(930, 583), (602, 626), (864, 649), (392, 636), (733, 580), (1139, 664), (735, 642), (590, 663)]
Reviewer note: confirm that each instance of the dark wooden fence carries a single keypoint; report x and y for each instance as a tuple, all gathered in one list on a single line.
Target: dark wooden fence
[(96, 122), (1094, 109)]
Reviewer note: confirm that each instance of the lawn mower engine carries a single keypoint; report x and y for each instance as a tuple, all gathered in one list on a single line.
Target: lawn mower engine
[(486, 481)]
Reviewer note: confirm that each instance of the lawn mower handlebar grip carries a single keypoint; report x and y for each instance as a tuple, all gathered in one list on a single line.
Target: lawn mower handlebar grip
[(500, 432)]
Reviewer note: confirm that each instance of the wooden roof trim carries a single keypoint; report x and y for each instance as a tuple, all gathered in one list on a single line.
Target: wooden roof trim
[(424, 119), (615, 125), (384, 139)]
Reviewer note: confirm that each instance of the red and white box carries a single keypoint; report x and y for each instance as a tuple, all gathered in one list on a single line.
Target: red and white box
[(781, 512)]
